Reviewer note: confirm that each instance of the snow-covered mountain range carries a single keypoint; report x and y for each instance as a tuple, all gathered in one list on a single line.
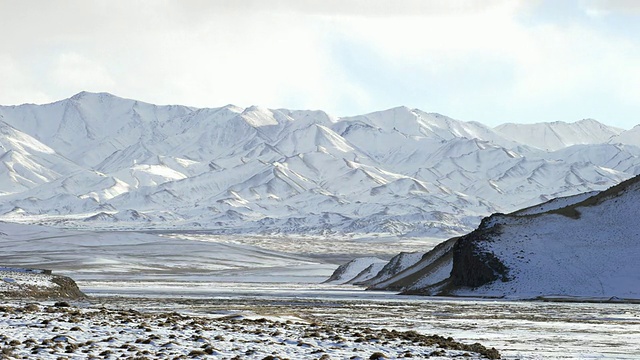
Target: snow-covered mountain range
[(97, 160)]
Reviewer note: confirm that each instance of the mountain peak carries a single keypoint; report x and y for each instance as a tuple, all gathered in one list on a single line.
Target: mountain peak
[(598, 124), (588, 120), (86, 94), (257, 116), (233, 108)]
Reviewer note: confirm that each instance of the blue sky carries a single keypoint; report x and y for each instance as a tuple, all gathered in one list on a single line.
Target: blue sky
[(491, 61)]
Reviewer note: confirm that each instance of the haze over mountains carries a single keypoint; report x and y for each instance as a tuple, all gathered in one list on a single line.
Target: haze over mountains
[(97, 160)]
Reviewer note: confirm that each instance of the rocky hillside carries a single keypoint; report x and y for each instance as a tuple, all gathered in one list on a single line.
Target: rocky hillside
[(36, 284), (584, 246)]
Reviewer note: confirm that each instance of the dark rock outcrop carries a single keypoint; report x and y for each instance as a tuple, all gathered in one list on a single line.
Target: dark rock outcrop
[(472, 265), (67, 288)]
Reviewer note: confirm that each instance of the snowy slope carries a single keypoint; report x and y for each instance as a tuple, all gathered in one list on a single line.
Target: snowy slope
[(26, 163), (630, 137), (87, 128), (94, 159), (588, 249), (582, 246), (359, 269), (558, 135)]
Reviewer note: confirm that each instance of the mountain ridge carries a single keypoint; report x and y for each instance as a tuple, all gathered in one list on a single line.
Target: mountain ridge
[(256, 170)]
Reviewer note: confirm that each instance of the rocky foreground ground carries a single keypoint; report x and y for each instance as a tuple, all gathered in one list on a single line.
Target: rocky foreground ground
[(48, 330)]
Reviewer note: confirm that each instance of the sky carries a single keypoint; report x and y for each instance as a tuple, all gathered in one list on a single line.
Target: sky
[(491, 61)]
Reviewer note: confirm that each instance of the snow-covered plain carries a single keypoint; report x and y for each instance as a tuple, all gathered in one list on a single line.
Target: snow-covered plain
[(190, 257), (136, 266)]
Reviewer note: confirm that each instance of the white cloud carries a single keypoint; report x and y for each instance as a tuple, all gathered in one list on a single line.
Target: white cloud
[(357, 8), (283, 54), (16, 86), (274, 60), (74, 71), (607, 7), (549, 63), (453, 33)]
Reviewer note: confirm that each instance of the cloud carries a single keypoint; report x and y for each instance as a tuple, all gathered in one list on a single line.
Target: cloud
[(74, 71), (186, 51), (496, 66), (16, 86), (605, 7), (491, 61), (357, 8)]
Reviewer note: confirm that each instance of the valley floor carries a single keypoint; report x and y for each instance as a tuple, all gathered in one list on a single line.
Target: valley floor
[(218, 286), (517, 329), (59, 331)]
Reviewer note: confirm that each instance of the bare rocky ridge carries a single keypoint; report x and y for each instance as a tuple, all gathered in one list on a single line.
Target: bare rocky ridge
[(473, 266)]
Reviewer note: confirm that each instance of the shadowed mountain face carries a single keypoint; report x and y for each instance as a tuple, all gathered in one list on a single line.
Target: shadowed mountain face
[(580, 246), (99, 160)]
